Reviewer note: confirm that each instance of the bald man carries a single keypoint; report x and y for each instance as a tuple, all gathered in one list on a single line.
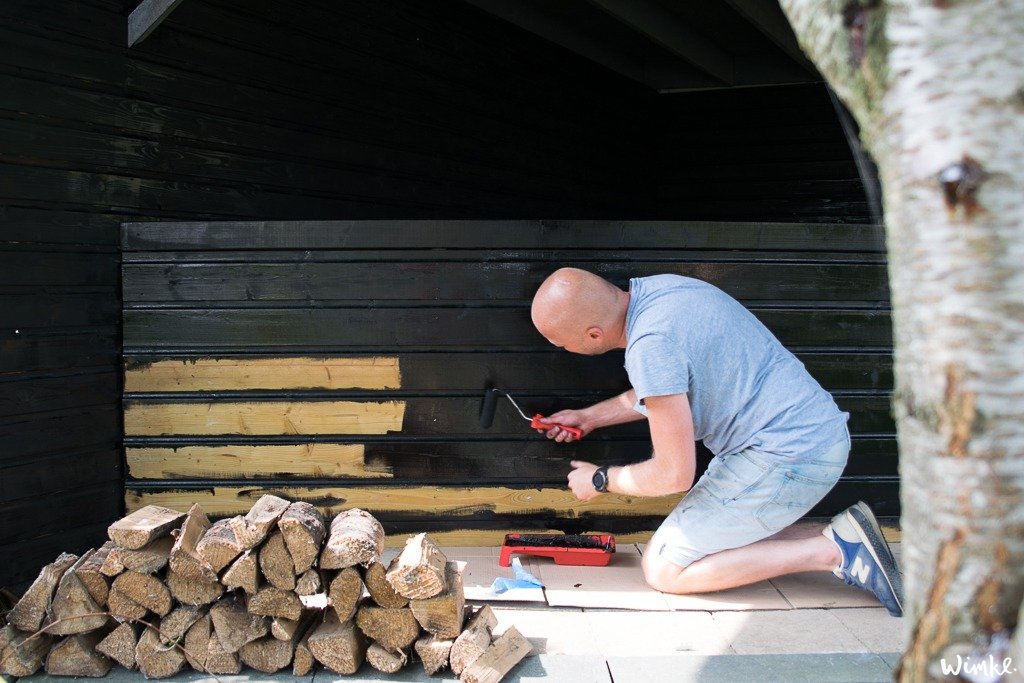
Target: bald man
[(702, 367)]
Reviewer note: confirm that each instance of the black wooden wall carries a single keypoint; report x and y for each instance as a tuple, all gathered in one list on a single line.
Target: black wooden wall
[(222, 322), (239, 109)]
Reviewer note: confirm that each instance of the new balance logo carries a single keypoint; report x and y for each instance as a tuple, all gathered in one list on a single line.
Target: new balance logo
[(860, 569)]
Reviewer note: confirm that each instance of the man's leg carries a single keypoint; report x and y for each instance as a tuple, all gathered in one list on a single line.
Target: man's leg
[(799, 548)]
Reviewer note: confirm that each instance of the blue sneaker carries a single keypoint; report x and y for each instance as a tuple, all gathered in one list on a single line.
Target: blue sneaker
[(867, 562)]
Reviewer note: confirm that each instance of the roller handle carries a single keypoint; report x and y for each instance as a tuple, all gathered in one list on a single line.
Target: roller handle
[(536, 423)]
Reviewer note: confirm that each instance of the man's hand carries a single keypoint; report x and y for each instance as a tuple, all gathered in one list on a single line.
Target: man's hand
[(569, 418), (581, 480)]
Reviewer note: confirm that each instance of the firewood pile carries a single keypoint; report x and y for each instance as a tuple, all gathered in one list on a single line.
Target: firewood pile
[(273, 589)]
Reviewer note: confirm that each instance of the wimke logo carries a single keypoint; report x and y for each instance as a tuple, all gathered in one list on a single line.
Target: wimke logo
[(987, 668)]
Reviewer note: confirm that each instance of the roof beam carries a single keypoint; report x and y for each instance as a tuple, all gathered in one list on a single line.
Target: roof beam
[(768, 18), (666, 29), (146, 17), (527, 16)]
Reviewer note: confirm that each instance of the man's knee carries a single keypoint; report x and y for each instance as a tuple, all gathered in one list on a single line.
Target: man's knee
[(662, 575)]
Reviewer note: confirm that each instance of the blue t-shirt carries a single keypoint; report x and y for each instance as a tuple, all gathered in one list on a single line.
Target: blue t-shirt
[(745, 389)]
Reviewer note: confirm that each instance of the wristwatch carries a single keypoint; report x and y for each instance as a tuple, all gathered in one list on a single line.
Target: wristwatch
[(600, 479)]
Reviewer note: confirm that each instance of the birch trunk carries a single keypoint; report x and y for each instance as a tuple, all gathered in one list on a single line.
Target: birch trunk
[(938, 90)]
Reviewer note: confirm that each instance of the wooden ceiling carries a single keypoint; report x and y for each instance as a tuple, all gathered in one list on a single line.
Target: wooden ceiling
[(670, 45)]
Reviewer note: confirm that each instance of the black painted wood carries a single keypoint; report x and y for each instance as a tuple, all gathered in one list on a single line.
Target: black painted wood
[(452, 302)]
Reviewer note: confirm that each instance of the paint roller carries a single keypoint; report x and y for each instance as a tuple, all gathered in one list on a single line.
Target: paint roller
[(490, 406)]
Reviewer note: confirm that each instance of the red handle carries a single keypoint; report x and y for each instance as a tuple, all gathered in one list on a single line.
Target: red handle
[(537, 424)]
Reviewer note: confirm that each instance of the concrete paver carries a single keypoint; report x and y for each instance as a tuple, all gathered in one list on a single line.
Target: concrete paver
[(790, 632)]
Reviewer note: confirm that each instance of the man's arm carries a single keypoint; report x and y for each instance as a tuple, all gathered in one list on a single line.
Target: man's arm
[(671, 467), (613, 411)]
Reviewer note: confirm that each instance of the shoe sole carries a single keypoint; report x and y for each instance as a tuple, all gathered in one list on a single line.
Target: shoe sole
[(867, 527)]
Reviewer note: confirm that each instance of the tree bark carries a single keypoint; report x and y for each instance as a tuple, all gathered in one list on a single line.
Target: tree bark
[(937, 90)]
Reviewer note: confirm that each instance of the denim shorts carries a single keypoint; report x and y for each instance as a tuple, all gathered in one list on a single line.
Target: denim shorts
[(743, 498)]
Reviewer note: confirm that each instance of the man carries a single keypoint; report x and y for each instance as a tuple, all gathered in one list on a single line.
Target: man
[(703, 367)]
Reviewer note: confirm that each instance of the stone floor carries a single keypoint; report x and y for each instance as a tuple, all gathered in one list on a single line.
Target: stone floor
[(806, 627)]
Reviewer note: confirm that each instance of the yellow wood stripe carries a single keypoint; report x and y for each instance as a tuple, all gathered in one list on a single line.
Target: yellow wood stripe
[(300, 417), (227, 462), (443, 501), (228, 374), (469, 538)]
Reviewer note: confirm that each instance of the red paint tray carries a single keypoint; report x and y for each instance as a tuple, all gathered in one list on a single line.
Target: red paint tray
[(580, 549)]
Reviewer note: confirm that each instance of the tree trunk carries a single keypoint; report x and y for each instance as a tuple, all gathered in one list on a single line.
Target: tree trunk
[(938, 92)]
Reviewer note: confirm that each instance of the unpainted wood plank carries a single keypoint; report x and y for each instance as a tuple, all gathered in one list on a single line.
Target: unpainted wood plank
[(427, 500), (320, 460), (239, 374), (264, 418), (143, 525)]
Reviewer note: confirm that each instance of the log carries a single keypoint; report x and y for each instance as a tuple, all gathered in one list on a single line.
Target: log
[(176, 624), (309, 583), (276, 563), (184, 559), (243, 573), (380, 590), (275, 602), (28, 613), (90, 573), (193, 591), (395, 628), (235, 625), (338, 645), (77, 656), (121, 607), (382, 659), (72, 609), (267, 654), (433, 652), (197, 643), (155, 659), (442, 614), (146, 560), (472, 642), (419, 572), (144, 526), (145, 590), (345, 591), (219, 546), (254, 527), (356, 538), (303, 660), (219, 660), (120, 644), (270, 654), (303, 528), (505, 652), (24, 653)]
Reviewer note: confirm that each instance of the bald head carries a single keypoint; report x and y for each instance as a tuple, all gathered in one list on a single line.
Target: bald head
[(580, 311)]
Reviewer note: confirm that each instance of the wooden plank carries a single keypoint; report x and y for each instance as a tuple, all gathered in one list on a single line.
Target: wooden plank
[(362, 330), (313, 460), (144, 19), (451, 372), (448, 501), (450, 279), (438, 417), (487, 234), (235, 374), (316, 417)]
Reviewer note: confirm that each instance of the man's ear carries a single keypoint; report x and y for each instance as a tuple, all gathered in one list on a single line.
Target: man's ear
[(595, 333)]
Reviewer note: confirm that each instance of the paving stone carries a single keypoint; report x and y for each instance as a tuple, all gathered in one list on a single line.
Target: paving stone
[(874, 628), (790, 632), (809, 590), (540, 668), (792, 668), (656, 633), (564, 631)]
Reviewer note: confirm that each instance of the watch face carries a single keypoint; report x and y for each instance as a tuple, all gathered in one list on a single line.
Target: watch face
[(600, 479)]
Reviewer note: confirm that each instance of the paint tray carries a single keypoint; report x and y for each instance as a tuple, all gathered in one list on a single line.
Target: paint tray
[(579, 549)]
